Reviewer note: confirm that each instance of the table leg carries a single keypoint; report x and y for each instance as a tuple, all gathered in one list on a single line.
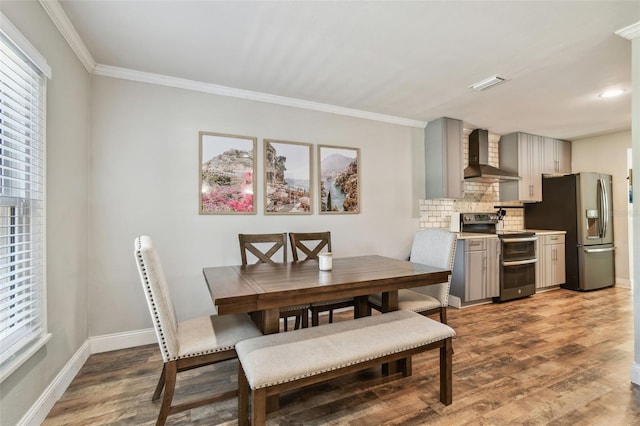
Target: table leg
[(390, 301), (268, 320), (361, 307), (389, 304)]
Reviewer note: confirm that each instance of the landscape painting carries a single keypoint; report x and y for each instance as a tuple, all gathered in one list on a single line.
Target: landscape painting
[(339, 177), (287, 177), (227, 170)]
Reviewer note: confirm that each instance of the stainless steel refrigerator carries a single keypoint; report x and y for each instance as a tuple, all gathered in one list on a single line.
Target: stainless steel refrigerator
[(581, 205)]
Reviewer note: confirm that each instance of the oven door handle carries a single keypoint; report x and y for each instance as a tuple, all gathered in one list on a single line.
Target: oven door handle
[(519, 262), (519, 240)]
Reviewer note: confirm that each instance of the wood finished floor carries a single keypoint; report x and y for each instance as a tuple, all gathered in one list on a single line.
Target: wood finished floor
[(558, 358)]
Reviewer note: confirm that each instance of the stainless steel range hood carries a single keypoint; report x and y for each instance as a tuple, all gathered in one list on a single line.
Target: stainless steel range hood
[(479, 170)]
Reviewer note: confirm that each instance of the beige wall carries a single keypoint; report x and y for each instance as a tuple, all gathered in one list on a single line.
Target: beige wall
[(144, 180), (608, 154), (67, 211)]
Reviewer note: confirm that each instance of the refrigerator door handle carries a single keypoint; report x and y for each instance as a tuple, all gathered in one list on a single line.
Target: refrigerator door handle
[(605, 215), (602, 250)]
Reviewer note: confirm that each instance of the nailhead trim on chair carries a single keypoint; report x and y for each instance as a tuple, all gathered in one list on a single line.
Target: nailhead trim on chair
[(165, 349)]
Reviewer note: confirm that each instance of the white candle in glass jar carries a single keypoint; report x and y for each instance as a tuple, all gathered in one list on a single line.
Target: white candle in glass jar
[(325, 261)]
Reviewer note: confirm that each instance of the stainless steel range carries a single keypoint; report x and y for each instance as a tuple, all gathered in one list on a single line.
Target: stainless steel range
[(517, 254)]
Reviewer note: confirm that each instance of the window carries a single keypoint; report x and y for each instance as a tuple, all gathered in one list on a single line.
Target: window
[(22, 200)]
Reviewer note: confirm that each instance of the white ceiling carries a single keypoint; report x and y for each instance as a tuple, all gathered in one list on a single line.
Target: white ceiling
[(413, 60)]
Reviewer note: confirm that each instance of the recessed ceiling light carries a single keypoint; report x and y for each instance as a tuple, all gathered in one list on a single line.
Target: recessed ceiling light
[(611, 93), (486, 83)]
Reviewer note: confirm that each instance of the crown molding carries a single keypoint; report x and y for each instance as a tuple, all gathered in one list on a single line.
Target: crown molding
[(630, 32), (68, 31), (181, 83)]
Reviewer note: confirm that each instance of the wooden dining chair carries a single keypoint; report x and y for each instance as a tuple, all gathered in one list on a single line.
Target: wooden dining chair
[(188, 344), (434, 247), (265, 247), (310, 245)]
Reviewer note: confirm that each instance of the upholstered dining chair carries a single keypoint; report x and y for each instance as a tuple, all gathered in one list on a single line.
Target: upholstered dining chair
[(310, 244), (265, 247), (435, 247), (188, 344)]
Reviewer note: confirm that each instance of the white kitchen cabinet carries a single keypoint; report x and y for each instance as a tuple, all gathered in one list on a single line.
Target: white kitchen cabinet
[(444, 159), (522, 153), (493, 267), (557, 157), (551, 259), (475, 265)]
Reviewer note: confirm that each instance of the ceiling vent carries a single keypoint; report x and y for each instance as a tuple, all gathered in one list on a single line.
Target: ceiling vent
[(486, 83)]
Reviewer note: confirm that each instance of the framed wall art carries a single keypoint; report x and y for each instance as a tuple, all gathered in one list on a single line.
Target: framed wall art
[(287, 177), (227, 171), (339, 179)]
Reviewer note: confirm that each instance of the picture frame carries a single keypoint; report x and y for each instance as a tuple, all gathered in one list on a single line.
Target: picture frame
[(287, 177), (227, 174), (338, 180)]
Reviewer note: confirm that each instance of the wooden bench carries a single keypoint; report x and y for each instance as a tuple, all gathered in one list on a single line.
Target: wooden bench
[(276, 363)]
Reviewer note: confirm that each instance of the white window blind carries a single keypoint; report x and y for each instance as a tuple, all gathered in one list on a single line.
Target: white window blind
[(22, 197)]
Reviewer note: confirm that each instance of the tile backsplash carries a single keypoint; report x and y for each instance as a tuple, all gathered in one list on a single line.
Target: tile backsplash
[(437, 213), (478, 197)]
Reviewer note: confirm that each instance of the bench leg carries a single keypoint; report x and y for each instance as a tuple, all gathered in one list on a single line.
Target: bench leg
[(446, 370), (243, 398), (258, 407), (406, 366)]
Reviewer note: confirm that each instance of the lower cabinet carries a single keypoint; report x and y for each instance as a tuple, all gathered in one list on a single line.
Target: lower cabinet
[(476, 269), (493, 267), (551, 261)]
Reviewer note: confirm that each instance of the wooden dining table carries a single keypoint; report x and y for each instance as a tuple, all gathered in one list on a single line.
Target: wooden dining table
[(262, 289)]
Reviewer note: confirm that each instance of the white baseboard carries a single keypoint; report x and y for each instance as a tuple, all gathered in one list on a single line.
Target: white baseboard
[(129, 339), (39, 410), (455, 301), (635, 373), (624, 283)]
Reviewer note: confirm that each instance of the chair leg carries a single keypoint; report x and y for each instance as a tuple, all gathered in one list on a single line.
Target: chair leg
[(243, 397), (315, 317), (443, 314), (286, 323), (160, 384), (446, 372), (305, 318), (298, 323), (330, 316), (171, 370)]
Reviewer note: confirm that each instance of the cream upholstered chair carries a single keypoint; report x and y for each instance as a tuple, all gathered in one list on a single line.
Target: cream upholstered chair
[(254, 244), (311, 244), (435, 247), (189, 344)]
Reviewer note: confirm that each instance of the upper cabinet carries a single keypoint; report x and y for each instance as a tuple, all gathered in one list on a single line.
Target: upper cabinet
[(557, 157), (444, 159), (531, 156), (522, 153)]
